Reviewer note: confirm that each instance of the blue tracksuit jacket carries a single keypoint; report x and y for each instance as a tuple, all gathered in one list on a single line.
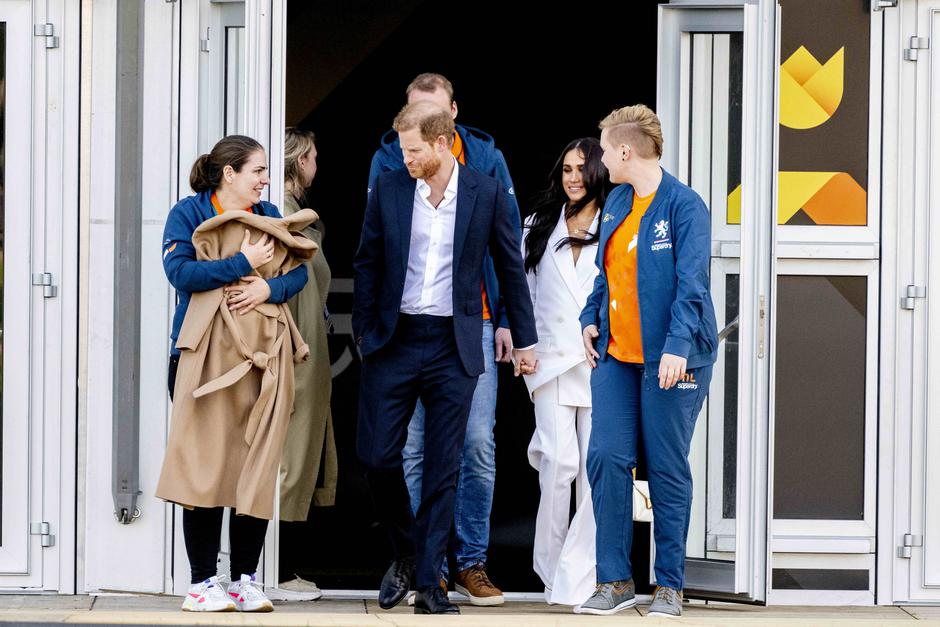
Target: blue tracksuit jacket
[(672, 265)]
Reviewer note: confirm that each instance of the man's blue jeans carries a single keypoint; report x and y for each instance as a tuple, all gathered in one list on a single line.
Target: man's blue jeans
[(477, 465)]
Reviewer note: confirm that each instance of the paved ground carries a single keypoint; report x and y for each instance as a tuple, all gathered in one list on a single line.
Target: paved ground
[(162, 610)]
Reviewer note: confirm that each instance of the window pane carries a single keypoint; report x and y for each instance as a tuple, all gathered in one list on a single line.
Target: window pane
[(824, 113), (234, 80), (735, 99), (730, 423), (714, 156), (3, 128), (820, 579), (819, 466)]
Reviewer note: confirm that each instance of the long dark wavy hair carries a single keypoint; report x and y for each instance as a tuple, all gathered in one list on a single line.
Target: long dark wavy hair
[(549, 202)]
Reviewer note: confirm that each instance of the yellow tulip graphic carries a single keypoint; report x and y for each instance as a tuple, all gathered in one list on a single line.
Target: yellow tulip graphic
[(810, 92)]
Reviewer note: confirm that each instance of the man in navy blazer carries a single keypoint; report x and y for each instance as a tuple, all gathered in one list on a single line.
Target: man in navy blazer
[(417, 317)]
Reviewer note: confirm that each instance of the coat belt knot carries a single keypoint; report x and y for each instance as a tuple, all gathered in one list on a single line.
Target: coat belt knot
[(260, 360)]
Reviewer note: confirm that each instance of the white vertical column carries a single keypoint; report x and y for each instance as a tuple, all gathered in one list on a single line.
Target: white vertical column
[(127, 557)]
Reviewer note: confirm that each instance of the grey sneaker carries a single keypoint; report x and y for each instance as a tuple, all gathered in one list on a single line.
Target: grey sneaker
[(609, 598), (667, 603), (297, 589)]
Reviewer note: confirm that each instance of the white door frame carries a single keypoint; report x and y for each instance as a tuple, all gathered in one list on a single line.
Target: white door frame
[(134, 557), (758, 20), (40, 389), (263, 57), (60, 250), (917, 507), (897, 259), (41, 212), (19, 491)]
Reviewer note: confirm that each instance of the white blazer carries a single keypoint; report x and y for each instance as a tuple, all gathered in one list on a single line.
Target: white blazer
[(559, 291)]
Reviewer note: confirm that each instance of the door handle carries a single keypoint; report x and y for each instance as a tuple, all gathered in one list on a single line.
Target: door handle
[(730, 328), (761, 326)]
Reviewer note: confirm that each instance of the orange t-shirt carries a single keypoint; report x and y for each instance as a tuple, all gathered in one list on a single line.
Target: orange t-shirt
[(626, 340), (457, 150)]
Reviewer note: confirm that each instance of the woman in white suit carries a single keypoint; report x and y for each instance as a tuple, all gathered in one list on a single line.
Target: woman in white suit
[(559, 245)]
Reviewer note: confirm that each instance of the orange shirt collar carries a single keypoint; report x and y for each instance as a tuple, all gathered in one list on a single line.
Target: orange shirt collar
[(218, 206), (457, 149)]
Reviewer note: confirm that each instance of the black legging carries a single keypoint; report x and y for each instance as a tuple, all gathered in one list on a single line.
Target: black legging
[(202, 530)]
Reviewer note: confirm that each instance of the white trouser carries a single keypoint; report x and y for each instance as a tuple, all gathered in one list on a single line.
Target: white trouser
[(563, 556)]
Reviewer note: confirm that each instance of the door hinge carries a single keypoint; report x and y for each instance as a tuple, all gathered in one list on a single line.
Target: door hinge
[(204, 43), (43, 529), (45, 280), (909, 541), (880, 5), (47, 31), (917, 43), (912, 293)]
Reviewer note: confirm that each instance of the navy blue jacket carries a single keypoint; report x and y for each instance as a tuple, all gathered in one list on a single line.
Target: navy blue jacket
[(188, 275), (673, 255), (483, 220), (481, 154)]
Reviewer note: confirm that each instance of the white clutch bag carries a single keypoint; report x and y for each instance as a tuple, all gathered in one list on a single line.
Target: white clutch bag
[(642, 505)]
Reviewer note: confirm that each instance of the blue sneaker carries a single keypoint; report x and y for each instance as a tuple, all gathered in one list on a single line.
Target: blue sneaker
[(609, 598)]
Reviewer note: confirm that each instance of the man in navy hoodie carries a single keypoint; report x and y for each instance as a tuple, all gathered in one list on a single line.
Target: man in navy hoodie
[(476, 150)]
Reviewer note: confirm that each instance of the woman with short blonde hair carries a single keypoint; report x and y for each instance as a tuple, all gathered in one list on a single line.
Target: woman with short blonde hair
[(652, 318)]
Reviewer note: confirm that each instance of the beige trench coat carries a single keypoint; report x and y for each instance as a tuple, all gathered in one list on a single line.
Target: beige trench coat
[(235, 383), (309, 465)]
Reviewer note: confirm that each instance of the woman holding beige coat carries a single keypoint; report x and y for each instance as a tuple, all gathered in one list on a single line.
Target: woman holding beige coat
[(559, 246), (234, 263)]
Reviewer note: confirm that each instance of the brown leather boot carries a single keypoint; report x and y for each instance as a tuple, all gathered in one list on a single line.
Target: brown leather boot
[(474, 584)]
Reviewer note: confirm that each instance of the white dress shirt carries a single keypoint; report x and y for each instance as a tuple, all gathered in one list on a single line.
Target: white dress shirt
[(429, 281)]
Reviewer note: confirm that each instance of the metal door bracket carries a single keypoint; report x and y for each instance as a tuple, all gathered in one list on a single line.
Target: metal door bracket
[(45, 530), (909, 541), (911, 294), (44, 279), (47, 31), (917, 43)]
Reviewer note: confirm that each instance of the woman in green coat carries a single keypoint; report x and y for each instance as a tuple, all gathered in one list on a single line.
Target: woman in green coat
[(308, 466)]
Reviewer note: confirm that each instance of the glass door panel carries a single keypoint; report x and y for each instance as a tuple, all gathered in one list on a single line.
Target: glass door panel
[(704, 54), (16, 45)]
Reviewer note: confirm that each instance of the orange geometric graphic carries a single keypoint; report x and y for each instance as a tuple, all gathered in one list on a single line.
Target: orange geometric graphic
[(826, 198), (841, 202)]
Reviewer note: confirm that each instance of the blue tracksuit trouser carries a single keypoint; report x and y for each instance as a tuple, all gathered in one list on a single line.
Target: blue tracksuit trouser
[(629, 404)]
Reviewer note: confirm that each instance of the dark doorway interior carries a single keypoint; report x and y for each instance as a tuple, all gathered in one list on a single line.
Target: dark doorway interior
[(534, 80)]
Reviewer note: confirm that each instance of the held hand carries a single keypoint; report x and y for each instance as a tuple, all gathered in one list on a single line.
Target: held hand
[(503, 345), (258, 253), (671, 370), (588, 336), (525, 362), (250, 292)]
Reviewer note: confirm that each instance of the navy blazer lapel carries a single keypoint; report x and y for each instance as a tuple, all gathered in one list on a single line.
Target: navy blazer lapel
[(466, 197), (405, 199)]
